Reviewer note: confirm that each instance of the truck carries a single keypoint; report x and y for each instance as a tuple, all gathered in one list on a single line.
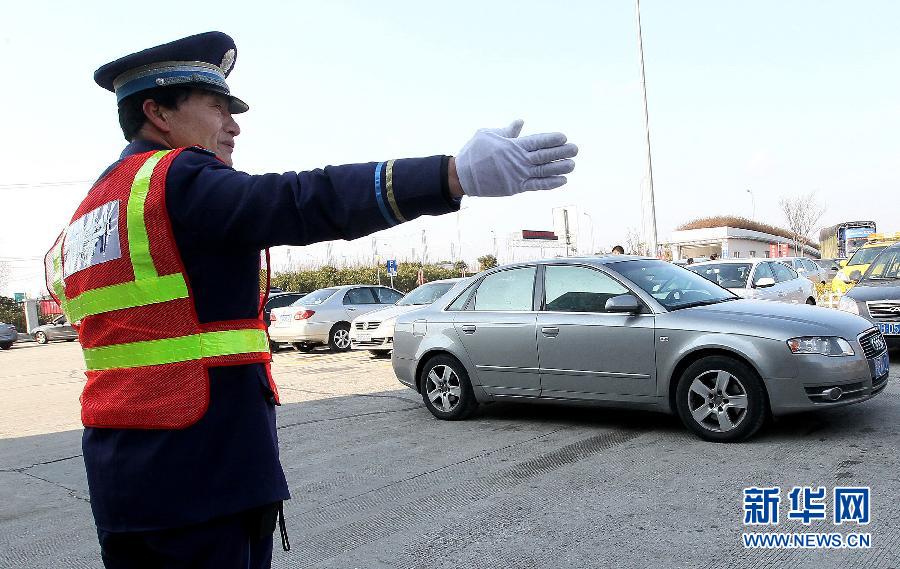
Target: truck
[(842, 240)]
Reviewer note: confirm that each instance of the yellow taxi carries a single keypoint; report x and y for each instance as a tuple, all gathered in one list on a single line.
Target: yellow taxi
[(860, 261)]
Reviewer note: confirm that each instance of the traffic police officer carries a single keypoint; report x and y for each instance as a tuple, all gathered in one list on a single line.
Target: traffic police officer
[(159, 267)]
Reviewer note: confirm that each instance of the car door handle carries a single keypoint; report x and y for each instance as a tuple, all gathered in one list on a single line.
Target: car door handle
[(468, 328), (551, 331), (350, 309)]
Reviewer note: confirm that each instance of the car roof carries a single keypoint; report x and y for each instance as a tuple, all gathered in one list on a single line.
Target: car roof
[(750, 260)]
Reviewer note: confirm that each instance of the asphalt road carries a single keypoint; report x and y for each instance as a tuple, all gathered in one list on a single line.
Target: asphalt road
[(377, 482)]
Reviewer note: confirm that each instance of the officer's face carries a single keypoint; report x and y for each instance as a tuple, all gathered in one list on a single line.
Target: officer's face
[(204, 120)]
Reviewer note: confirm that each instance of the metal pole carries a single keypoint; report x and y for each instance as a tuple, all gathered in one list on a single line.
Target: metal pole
[(653, 243), (591, 219), (752, 201)]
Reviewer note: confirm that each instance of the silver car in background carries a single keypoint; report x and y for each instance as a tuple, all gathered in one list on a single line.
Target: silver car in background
[(375, 331), (807, 268), (634, 332), (763, 279), (323, 316)]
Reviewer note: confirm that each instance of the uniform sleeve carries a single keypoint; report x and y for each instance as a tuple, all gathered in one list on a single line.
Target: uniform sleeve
[(217, 204)]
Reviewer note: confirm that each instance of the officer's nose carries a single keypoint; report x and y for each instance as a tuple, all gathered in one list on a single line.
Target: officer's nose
[(232, 127)]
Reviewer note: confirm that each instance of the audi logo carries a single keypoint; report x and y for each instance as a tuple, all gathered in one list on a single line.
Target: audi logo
[(878, 344)]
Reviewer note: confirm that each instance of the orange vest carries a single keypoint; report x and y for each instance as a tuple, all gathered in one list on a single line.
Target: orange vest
[(118, 276)]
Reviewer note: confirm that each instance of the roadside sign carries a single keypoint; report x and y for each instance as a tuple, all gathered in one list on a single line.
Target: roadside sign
[(392, 267), (18, 296)]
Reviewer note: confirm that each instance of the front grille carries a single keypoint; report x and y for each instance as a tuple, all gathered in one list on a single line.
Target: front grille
[(879, 382), (367, 325), (868, 340), (884, 310), (373, 343)]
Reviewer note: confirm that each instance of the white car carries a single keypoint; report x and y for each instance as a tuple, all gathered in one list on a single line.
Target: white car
[(323, 316), (375, 331), (765, 279)]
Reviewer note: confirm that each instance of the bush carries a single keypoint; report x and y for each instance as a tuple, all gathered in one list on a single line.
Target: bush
[(405, 281)]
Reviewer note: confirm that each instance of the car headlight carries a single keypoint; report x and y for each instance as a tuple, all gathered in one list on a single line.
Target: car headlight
[(822, 345), (847, 304)]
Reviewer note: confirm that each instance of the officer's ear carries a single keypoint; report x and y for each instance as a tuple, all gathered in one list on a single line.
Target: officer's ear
[(156, 115)]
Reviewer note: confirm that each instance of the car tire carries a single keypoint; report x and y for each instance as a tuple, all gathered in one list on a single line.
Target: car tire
[(40, 337), (339, 337), (811, 301), (379, 353), (709, 396), (446, 389), (303, 347), (6, 345)]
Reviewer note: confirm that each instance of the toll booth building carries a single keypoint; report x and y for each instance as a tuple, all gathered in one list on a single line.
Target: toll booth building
[(732, 243)]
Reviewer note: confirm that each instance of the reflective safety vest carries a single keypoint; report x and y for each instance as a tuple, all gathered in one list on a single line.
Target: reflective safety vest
[(118, 276)]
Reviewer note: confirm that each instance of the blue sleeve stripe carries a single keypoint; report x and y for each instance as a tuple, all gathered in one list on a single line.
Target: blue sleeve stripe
[(380, 198)]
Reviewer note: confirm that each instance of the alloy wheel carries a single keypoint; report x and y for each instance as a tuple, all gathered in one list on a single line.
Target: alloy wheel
[(717, 400), (443, 388), (342, 338)]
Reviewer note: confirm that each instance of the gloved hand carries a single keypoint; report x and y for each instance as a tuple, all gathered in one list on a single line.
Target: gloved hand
[(495, 162)]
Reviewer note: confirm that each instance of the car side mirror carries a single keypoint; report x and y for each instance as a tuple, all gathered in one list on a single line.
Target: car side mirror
[(623, 303), (844, 263), (765, 282), (855, 276)]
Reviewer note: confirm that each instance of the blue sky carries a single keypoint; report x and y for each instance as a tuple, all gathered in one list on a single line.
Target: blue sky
[(782, 98)]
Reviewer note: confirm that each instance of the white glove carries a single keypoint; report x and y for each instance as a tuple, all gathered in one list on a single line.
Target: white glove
[(495, 162)]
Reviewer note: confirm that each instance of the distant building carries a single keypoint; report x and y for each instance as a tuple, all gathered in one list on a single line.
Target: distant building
[(729, 242)]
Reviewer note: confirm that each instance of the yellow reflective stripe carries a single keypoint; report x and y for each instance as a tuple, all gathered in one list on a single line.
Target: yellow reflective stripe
[(58, 285), (173, 350), (127, 295), (389, 189), (138, 241)]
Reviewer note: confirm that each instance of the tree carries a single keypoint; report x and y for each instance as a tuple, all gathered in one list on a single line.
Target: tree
[(802, 213), (4, 274), (460, 266), (486, 262), (633, 244)]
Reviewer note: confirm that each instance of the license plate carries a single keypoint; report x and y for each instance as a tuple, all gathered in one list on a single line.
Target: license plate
[(889, 328), (364, 337), (882, 364)]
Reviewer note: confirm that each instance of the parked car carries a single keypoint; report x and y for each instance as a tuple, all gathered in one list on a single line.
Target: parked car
[(830, 266), (639, 333), (58, 329), (764, 279), (859, 262), (323, 316), (806, 268), (375, 331), (877, 295), (279, 299), (8, 335)]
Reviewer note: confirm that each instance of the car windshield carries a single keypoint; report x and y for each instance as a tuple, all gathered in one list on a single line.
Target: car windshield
[(672, 286), (865, 256), (885, 267), (425, 294), (726, 275), (315, 297)]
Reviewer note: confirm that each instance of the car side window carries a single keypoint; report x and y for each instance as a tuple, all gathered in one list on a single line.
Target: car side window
[(387, 296), (508, 290), (359, 296), (281, 300), (783, 273), (578, 289), (763, 271)]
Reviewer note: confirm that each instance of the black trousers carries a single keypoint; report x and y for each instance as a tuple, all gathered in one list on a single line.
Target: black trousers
[(239, 541)]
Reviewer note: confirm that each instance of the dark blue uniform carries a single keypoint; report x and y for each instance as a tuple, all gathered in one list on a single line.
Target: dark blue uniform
[(228, 462)]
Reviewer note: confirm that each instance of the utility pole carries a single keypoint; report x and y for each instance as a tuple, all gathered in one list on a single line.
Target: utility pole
[(653, 238)]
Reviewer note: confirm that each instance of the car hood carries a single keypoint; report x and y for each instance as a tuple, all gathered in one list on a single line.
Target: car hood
[(389, 312), (876, 290), (768, 319)]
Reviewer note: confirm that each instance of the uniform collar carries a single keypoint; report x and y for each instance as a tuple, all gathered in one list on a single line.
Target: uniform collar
[(138, 146)]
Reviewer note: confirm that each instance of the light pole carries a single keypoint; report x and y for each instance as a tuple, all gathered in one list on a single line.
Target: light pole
[(753, 202), (653, 243), (591, 246)]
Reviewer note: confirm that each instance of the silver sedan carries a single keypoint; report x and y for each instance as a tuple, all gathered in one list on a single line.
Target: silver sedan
[(635, 332)]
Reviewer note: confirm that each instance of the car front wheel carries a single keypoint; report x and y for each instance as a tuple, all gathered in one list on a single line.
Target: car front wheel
[(446, 389), (721, 399), (6, 345), (40, 338)]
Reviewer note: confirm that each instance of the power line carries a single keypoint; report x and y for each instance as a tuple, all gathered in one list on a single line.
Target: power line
[(28, 186)]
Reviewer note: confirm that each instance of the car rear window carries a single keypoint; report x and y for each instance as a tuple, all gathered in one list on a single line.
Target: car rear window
[(315, 297)]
